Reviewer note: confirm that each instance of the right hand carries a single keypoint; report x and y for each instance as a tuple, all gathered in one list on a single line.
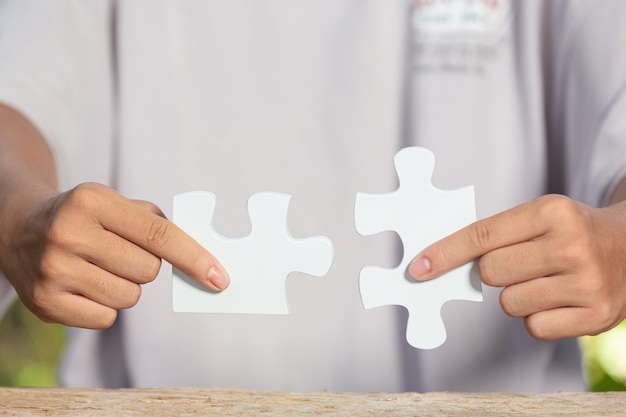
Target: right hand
[(78, 257)]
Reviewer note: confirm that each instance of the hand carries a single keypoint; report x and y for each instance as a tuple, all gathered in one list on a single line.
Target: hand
[(562, 264), (78, 257)]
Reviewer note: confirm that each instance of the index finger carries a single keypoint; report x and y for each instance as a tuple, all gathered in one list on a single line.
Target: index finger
[(513, 226), (143, 224)]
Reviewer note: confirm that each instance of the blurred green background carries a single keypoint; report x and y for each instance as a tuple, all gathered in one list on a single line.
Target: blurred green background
[(30, 351)]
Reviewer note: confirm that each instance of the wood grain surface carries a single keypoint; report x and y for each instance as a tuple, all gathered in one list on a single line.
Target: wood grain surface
[(181, 402)]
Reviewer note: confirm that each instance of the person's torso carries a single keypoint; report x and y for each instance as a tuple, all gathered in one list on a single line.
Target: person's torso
[(314, 99)]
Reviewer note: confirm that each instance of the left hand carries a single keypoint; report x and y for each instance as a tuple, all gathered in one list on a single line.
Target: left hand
[(562, 264)]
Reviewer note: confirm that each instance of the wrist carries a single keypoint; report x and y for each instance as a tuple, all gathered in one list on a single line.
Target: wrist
[(18, 208)]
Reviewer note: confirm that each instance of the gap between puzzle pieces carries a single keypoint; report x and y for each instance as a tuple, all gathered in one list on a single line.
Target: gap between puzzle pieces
[(420, 214), (417, 211), (258, 264)]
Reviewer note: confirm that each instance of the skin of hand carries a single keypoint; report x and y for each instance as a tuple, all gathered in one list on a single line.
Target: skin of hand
[(78, 257), (561, 263)]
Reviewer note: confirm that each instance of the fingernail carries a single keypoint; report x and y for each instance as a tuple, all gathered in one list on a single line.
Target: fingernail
[(218, 278), (419, 267)]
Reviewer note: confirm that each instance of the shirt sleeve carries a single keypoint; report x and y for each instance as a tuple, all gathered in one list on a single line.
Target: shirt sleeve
[(587, 105)]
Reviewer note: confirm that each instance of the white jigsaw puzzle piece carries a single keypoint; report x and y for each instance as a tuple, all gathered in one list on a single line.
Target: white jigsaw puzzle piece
[(421, 214), (258, 264)]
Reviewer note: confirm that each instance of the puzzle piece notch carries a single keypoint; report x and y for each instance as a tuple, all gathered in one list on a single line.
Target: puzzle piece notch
[(421, 214), (258, 264)]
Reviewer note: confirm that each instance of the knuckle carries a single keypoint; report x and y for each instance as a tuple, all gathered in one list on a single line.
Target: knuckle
[(60, 234), (158, 233), (87, 196), (49, 267), (574, 251), (133, 297), (103, 286), (62, 229), (103, 320), (52, 270), (605, 318), (537, 330), (480, 235), (595, 288), (560, 207), (486, 271), (150, 206), (40, 302), (509, 303), (551, 203), (129, 298), (150, 271)]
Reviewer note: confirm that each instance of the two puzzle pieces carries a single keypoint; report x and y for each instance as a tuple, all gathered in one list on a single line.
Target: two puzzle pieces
[(259, 263)]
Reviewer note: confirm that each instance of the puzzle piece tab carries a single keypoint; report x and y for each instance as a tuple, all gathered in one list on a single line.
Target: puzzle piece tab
[(258, 264), (421, 214)]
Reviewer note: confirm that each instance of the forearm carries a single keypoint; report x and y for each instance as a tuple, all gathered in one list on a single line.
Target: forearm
[(620, 193), (26, 163), (27, 172)]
